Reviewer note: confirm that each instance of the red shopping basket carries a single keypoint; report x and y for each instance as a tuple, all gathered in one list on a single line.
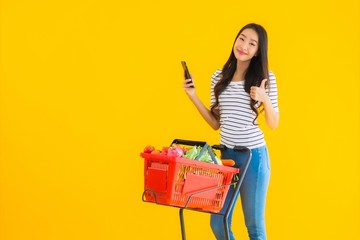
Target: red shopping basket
[(186, 183)]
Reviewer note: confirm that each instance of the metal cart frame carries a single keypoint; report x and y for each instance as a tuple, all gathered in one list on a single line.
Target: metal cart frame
[(237, 183)]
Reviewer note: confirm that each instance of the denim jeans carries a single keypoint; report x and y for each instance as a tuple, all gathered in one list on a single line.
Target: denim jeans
[(252, 193)]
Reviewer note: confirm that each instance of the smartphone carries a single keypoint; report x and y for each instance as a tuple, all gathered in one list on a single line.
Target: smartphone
[(186, 71)]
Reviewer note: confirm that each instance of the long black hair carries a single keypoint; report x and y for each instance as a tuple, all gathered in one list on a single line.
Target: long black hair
[(257, 70)]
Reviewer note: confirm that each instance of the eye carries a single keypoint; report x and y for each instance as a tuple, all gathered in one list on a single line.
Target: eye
[(242, 39), (252, 44)]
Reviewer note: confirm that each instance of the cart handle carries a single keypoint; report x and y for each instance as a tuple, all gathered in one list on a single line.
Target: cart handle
[(236, 148)]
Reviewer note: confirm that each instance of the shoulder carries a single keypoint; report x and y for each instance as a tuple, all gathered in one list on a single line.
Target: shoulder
[(272, 77), (216, 76), (272, 87)]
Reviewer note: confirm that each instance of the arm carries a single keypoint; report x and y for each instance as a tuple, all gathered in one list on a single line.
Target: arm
[(271, 116), (209, 117)]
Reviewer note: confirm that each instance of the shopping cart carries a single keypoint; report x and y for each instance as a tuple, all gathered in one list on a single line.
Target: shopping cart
[(190, 184)]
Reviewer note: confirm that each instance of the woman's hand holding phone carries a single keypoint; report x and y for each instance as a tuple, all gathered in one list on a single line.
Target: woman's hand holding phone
[(188, 83), (188, 86)]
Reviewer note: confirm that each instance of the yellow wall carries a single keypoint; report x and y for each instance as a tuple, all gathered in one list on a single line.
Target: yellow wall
[(85, 85)]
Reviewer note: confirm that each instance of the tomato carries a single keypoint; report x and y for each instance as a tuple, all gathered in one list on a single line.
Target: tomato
[(149, 149), (165, 150), (156, 152)]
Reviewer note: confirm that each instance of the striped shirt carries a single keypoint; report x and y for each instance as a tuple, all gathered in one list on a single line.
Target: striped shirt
[(236, 117)]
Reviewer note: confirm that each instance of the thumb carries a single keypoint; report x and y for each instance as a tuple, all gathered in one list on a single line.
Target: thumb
[(263, 83)]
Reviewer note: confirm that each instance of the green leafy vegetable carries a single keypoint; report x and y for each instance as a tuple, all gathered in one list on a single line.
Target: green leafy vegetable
[(194, 152)]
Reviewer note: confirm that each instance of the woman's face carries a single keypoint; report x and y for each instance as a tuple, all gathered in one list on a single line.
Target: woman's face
[(246, 45)]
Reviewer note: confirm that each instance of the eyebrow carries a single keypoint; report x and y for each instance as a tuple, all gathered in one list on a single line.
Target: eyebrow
[(246, 37)]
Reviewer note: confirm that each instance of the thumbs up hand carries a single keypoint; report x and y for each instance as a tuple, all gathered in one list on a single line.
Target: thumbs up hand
[(258, 93)]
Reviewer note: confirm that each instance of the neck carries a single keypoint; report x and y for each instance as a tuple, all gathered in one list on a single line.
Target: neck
[(241, 68)]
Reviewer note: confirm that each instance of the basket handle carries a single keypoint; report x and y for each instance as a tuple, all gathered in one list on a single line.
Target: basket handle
[(189, 142), (204, 147)]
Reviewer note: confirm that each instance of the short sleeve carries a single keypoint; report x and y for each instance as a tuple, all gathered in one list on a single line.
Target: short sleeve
[(273, 94), (214, 80)]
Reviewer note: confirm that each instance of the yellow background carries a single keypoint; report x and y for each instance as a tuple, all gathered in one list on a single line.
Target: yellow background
[(85, 85)]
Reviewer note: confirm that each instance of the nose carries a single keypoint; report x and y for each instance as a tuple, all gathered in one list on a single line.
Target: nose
[(244, 46)]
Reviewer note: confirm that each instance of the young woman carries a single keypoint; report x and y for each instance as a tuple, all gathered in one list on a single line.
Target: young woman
[(240, 91)]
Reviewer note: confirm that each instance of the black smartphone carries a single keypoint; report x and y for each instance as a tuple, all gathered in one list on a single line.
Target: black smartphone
[(186, 71)]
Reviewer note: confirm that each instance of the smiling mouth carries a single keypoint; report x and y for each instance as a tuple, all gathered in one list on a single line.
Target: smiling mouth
[(241, 52)]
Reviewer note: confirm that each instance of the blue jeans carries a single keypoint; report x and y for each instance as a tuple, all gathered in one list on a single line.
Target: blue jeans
[(252, 193)]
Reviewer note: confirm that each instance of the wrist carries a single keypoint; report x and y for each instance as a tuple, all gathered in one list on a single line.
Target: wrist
[(266, 101), (191, 94)]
